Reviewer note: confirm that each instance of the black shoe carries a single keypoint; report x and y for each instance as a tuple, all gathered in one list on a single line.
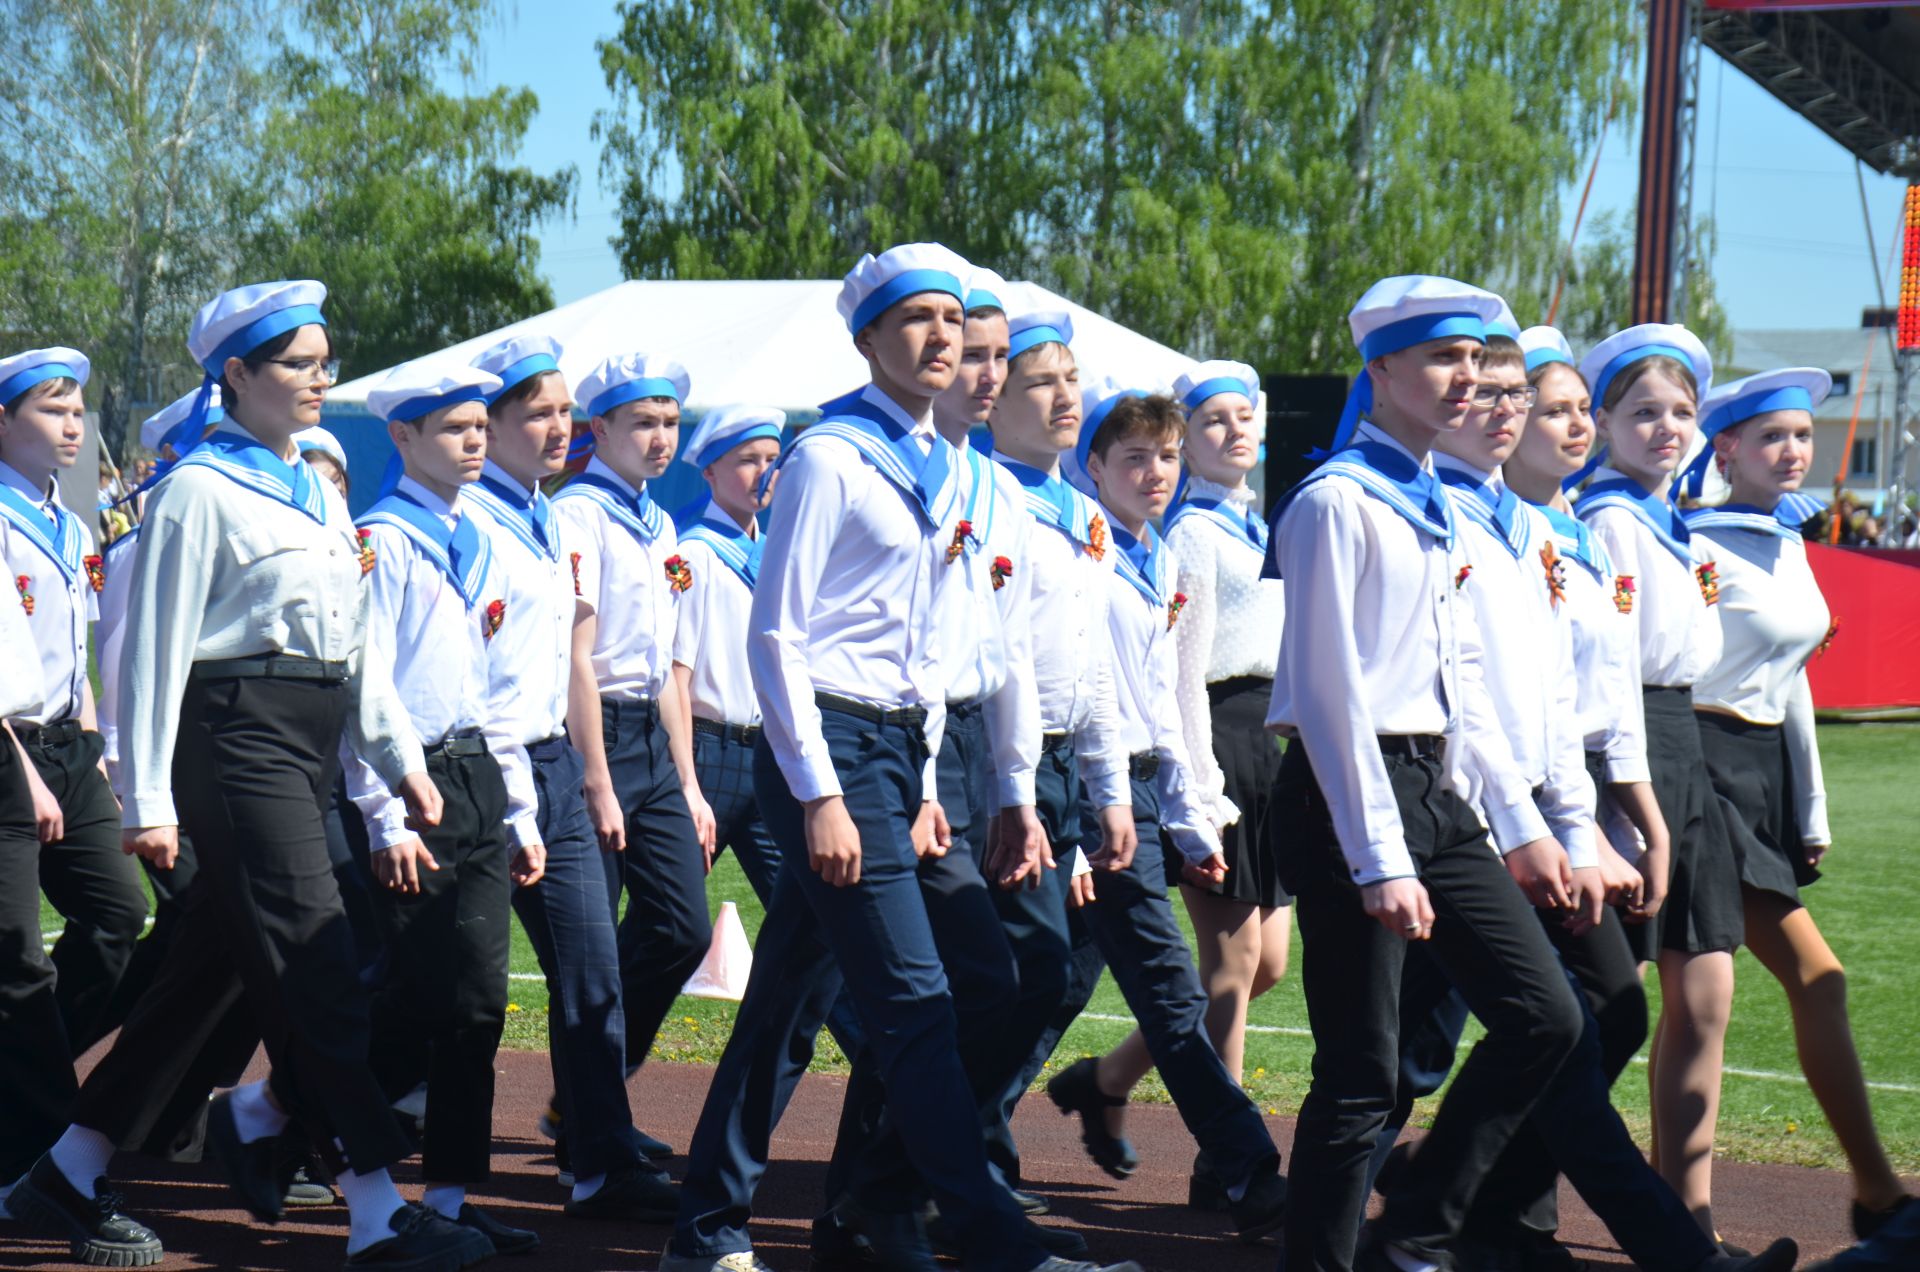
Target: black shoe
[(93, 1227), (632, 1193), (833, 1247), (897, 1242), (1263, 1207), (1205, 1191), (1062, 1242), (503, 1239), (250, 1168), (1031, 1203), (1732, 1251), (302, 1180), (1866, 1223), (1399, 1157), (1778, 1257), (1372, 1256), (423, 1240), (655, 1149), (1536, 1251), (1075, 1090)]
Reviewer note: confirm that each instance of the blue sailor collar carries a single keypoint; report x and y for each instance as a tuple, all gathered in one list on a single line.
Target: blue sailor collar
[(242, 458), (1386, 470), (1213, 502), (1783, 522), (1143, 563), (1614, 489), (736, 549), (889, 439), (1052, 501), (61, 540), (633, 508), (526, 514), (1486, 500), (1573, 538), (460, 551)]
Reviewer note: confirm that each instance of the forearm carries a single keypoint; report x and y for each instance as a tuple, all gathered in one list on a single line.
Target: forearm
[(677, 716), (583, 706)]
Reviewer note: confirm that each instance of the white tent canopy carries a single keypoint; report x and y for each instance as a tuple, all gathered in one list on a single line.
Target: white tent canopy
[(777, 344)]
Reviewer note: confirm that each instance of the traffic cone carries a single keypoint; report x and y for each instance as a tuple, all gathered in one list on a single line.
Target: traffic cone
[(723, 972)]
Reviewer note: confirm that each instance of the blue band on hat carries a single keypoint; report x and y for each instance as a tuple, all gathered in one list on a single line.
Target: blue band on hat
[(720, 447), (1095, 418), (633, 391), (259, 331), (427, 403), (1538, 358), (1032, 338), (1623, 361), (1419, 329), (981, 298), (901, 286), (14, 385), (525, 369), (1499, 328), (1792, 397), (1213, 388)]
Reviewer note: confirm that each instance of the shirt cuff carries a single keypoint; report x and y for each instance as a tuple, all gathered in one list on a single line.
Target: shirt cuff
[(815, 779), (1578, 839), (1630, 767), (1107, 787), (1381, 862), (1516, 825), (149, 808), (402, 756), (1015, 791), (1194, 845), (1081, 866), (389, 827), (525, 828)]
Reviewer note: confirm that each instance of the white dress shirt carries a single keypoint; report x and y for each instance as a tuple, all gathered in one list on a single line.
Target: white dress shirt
[(1072, 649), (1773, 617), (224, 572), (846, 603), (710, 631), (623, 580), (434, 640), (1528, 664), (1228, 627), (63, 603), (1146, 667), (109, 635), (20, 684), (1679, 632), (530, 658), (1377, 643)]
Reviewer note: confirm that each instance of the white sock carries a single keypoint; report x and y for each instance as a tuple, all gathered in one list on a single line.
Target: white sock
[(1410, 1262), (371, 1201), (253, 1114), (82, 1156), (445, 1198), (585, 1188)]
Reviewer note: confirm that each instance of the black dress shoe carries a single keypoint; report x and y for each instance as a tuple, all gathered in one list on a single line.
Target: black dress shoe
[(1063, 1243), (504, 1240), (1263, 1207), (1031, 1203), (423, 1240), (250, 1168), (93, 1227), (898, 1242), (1778, 1257), (1866, 1223), (655, 1149), (1076, 1090), (633, 1193), (1206, 1192), (833, 1247)]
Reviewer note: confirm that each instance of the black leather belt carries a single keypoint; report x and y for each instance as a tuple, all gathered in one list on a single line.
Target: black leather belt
[(744, 734), (48, 736), (1414, 746), (645, 710), (962, 710), (1051, 742), (457, 746), (270, 667), (1143, 766), (911, 717), (547, 748)]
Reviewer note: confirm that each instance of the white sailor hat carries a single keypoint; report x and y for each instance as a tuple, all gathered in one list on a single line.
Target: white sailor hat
[(36, 366), (629, 377), (319, 439), (155, 428), (877, 283), (1624, 348), (1036, 327), (416, 389), (1787, 389), (1210, 379), (1504, 323), (720, 431), (1542, 345), (235, 323), (1409, 309), (987, 290), (518, 359)]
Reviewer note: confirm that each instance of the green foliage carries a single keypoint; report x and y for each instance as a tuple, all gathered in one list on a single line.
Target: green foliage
[(1599, 294)]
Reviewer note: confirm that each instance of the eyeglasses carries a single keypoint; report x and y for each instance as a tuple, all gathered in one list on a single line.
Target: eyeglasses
[(313, 370), (1490, 394)]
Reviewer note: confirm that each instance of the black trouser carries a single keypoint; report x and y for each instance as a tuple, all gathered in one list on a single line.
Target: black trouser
[(36, 1066), (93, 885), (1487, 940), (253, 761)]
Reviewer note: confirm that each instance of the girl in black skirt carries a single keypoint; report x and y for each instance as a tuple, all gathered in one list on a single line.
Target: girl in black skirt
[(1756, 727)]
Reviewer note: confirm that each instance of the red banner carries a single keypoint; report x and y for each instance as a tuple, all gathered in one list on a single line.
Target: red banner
[(1874, 660)]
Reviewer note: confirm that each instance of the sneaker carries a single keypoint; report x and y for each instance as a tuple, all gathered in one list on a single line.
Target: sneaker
[(631, 1193), (655, 1149), (1031, 1203), (503, 1239), (303, 1182), (95, 1230), (738, 1261), (304, 1190), (423, 1240), (1069, 1265)]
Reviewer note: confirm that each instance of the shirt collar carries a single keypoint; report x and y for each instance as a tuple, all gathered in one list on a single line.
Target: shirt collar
[(504, 478), (1491, 482), (1369, 431), (1203, 488), (921, 428), (597, 467), (714, 514), (447, 512), (45, 496)]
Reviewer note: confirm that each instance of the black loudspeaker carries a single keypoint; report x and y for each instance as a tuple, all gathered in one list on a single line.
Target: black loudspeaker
[(1302, 413)]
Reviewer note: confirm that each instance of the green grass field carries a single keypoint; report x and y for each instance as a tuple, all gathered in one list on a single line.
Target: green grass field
[(1866, 905)]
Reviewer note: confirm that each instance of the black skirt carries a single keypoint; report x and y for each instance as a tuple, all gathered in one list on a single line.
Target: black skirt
[(1754, 780), (1702, 913), (1249, 759)]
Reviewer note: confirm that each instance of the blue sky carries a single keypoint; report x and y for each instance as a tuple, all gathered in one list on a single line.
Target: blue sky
[(1792, 252)]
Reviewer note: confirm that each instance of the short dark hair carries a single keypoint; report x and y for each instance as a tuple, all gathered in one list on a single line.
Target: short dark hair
[(59, 386), (1032, 353), (261, 354), (1503, 353), (521, 391), (1155, 417)]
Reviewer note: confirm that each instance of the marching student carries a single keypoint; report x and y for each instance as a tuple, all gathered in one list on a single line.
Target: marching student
[(1225, 639), (56, 580), (1131, 452), (628, 722), (1646, 382), (568, 914), (244, 659), (1755, 711), (443, 896), (719, 536)]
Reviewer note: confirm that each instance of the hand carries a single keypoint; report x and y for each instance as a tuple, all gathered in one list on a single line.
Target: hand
[(158, 845), (422, 799), (932, 836), (400, 866), (1080, 891), (1625, 886), (1541, 870), (833, 842), (1210, 873), (1401, 907), (1656, 867), (529, 865), (48, 821), (1589, 898), (609, 822), (1118, 838), (1017, 848), (1816, 853), (705, 828)]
